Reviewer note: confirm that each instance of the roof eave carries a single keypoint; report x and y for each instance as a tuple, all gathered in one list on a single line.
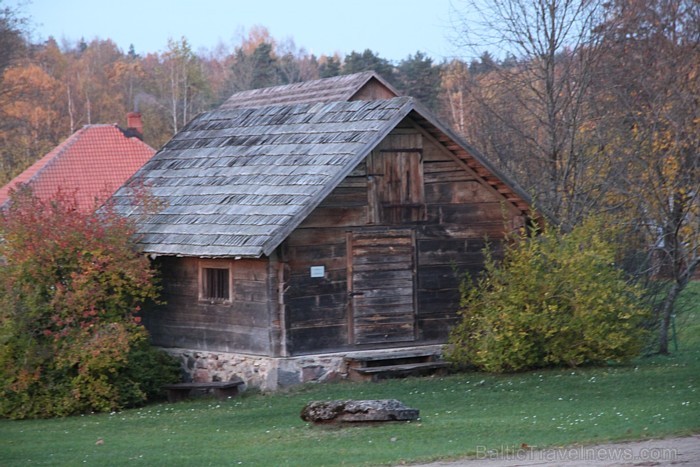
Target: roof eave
[(478, 157), (240, 254)]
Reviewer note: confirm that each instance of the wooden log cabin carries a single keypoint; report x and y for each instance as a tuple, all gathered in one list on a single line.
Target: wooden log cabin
[(305, 223)]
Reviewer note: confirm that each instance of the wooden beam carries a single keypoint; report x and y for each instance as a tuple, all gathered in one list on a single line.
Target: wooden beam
[(351, 311)]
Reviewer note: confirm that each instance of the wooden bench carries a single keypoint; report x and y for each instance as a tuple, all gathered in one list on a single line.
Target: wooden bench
[(375, 366), (220, 389)]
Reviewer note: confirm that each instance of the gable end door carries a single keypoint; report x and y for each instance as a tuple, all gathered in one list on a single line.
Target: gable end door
[(381, 290)]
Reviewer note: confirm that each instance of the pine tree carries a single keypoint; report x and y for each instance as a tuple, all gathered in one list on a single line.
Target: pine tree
[(420, 78)]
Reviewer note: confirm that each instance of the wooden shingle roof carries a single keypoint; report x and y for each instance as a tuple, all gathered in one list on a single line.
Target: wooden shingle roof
[(338, 88), (237, 182)]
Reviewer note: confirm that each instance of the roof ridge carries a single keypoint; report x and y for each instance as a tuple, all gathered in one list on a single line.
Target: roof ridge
[(340, 87), (310, 105), (99, 125), (311, 82)]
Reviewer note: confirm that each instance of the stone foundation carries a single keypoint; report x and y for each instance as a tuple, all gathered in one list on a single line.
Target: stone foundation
[(260, 372), (264, 373)]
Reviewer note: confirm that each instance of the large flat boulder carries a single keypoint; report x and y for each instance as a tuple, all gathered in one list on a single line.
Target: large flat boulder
[(358, 411)]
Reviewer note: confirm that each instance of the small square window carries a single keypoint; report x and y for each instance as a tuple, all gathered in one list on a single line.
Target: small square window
[(215, 284)]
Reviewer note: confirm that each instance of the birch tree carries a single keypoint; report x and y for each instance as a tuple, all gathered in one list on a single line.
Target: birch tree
[(182, 83), (547, 88), (651, 110)]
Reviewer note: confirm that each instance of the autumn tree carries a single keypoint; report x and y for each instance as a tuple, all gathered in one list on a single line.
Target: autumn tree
[(216, 64), (53, 92), (650, 114), (245, 72), (12, 48), (95, 95), (153, 101), (33, 115), (260, 61), (295, 64), (128, 75), (454, 81), (254, 62), (183, 89), (30, 120), (71, 288), (543, 98)]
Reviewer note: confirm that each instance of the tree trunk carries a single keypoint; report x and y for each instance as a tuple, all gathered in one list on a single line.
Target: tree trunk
[(669, 301), (666, 312)]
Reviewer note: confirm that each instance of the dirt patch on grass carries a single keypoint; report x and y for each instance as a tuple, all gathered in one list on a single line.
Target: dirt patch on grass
[(668, 451)]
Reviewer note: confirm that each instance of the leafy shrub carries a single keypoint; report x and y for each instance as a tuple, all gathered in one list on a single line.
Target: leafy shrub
[(556, 299), (148, 370), (71, 288)]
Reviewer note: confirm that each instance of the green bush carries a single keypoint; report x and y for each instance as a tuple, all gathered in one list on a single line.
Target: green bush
[(555, 299), (71, 288), (148, 370)]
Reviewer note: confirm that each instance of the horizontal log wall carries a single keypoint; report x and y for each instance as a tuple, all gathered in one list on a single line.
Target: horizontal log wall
[(241, 325), (460, 214), (316, 308)]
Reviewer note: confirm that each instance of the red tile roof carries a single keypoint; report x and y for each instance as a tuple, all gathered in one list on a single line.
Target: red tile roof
[(92, 163)]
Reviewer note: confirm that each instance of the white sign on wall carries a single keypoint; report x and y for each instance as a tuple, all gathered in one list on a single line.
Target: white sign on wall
[(318, 271)]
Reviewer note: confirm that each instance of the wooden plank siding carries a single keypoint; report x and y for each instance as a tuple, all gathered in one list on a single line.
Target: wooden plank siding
[(299, 193), (448, 239), (241, 324), (381, 286)]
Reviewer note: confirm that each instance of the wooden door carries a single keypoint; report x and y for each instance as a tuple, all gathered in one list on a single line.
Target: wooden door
[(381, 277), (395, 180)]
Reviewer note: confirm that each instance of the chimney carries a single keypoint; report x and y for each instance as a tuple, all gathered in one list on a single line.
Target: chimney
[(134, 124)]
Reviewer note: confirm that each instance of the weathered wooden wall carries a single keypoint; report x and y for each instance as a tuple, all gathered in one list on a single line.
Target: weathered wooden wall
[(449, 232), (396, 238), (243, 325), (373, 90), (461, 214)]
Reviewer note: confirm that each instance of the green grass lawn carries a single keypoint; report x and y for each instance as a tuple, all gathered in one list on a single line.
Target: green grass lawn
[(460, 415)]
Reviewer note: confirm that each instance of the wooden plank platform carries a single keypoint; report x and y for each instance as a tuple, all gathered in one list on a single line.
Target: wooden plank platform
[(391, 355), (377, 372), (220, 389), (412, 362)]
